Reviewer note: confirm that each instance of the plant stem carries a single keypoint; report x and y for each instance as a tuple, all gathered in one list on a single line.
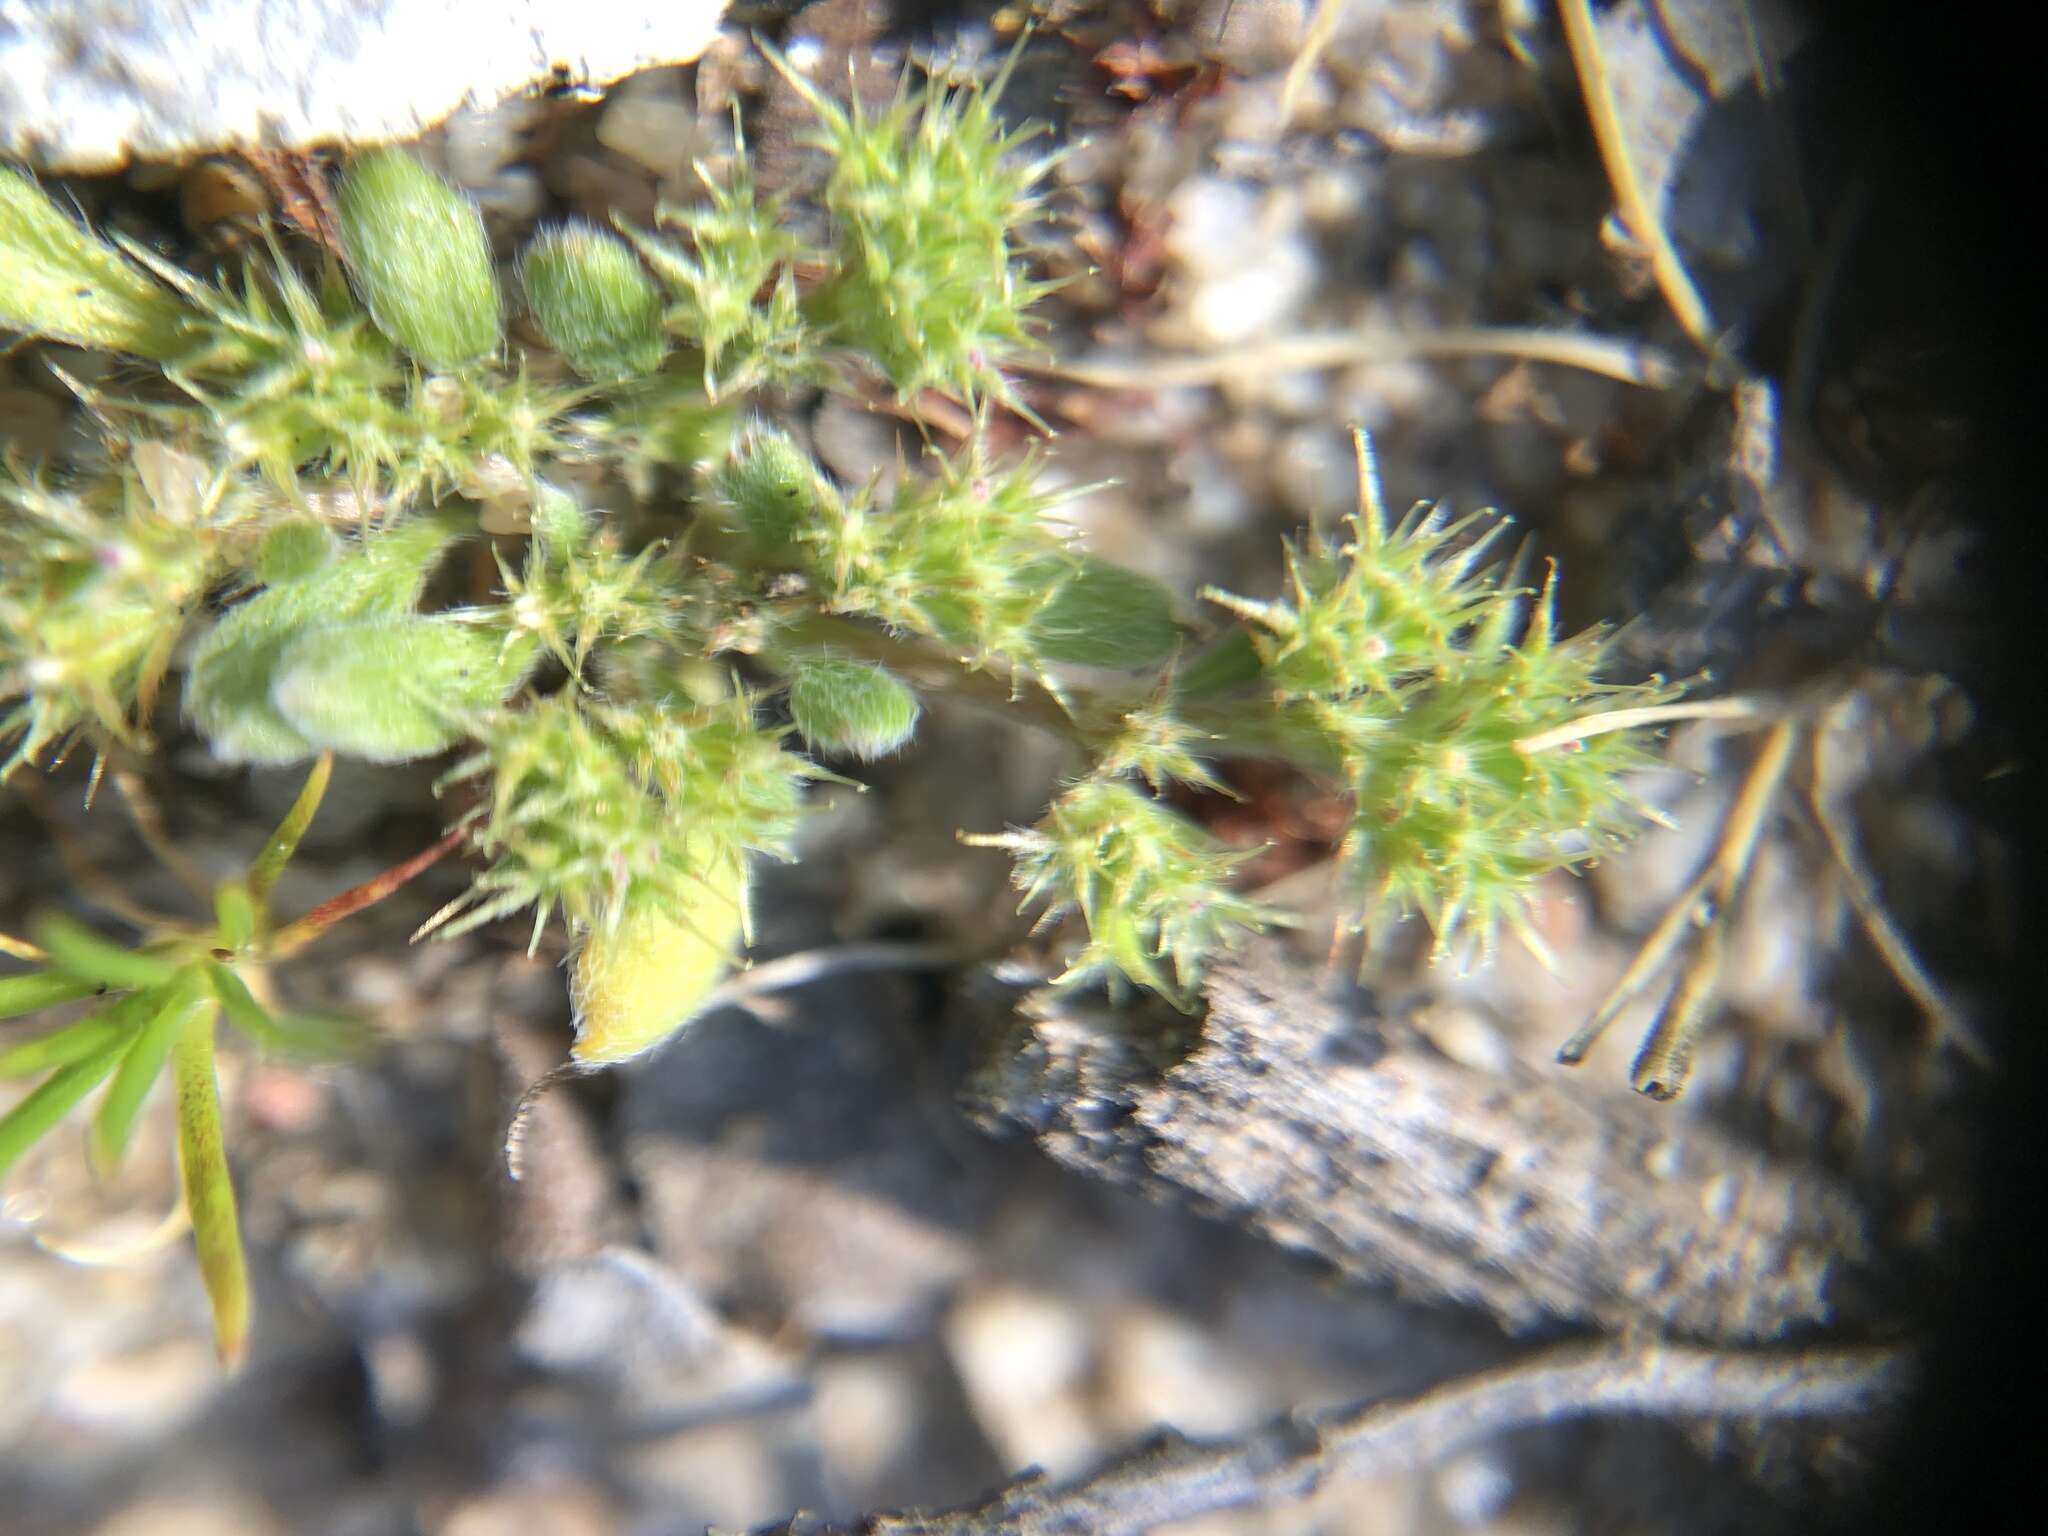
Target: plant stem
[(149, 822), (21, 949), (295, 936)]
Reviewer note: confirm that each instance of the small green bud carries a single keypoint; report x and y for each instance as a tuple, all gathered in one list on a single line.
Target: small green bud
[(416, 249), (60, 281), (640, 981), (773, 489), (1106, 616), (394, 689), (593, 302), (853, 707)]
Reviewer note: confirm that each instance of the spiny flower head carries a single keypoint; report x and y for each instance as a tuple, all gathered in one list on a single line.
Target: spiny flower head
[(576, 589), (294, 378), (1461, 806), (592, 808), (97, 580), (925, 199), (1388, 607), (1152, 887), (738, 251), (969, 556)]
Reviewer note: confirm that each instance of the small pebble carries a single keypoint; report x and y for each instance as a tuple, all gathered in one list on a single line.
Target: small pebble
[(655, 132)]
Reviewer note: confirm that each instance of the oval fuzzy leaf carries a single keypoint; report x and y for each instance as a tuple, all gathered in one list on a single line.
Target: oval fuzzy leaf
[(293, 552), (1105, 616), (228, 685), (419, 258), (393, 690), (638, 984), (593, 301), (855, 707)]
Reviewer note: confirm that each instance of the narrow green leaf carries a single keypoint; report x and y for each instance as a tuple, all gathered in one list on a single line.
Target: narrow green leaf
[(209, 1191), (39, 990), (284, 842), (104, 1030), (59, 280), (234, 914), (316, 1036), (76, 949), (306, 1037), (37, 1115), (141, 1064), (244, 1012), (300, 1036)]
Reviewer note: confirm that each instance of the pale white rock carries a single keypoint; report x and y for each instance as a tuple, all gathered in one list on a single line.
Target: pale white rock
[(87, 84)]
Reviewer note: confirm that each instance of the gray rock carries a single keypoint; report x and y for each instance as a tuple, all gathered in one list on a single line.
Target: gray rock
[(87, 84)]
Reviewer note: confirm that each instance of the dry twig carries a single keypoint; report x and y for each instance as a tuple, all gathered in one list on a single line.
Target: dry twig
[(1676, 284), (1176, 1479), (1628, 361)]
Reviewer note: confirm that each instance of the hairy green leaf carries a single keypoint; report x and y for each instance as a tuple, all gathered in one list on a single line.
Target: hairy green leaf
[(419, 257)]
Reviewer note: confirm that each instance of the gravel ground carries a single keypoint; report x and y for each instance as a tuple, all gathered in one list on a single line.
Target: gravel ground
[(775, 1267)]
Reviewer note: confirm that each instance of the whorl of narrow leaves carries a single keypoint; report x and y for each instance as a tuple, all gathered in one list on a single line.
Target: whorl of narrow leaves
[(418, 255), (593, 302), (60, 281), (851, 707)]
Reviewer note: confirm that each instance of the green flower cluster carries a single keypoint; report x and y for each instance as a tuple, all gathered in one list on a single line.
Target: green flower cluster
[(926, 200), (1431, 682), (99, 581), (1150, 885), (591, 809), (293, 503)]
